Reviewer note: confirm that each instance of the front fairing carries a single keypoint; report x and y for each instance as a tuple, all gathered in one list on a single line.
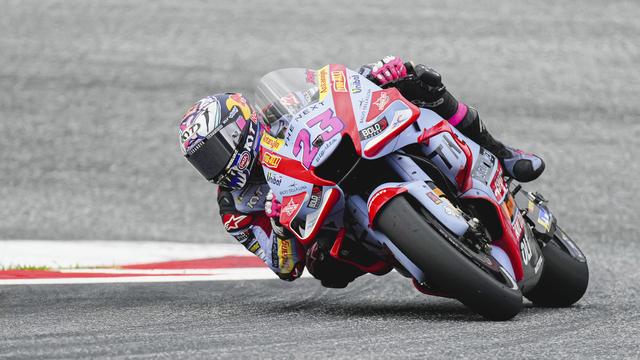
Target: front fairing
[(306, 114), (303, 126)]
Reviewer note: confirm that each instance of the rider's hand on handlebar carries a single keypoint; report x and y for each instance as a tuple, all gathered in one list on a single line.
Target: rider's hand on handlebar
[(272, 209), (390, 68), (272, 206)]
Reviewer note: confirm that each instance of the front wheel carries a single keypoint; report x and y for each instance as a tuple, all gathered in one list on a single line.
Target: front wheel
[(476, 280)]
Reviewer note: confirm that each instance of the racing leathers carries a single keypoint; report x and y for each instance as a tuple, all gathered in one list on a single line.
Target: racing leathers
[(243, 217)]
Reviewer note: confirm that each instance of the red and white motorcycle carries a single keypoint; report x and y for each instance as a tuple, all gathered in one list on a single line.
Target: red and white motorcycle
[(343, 152)]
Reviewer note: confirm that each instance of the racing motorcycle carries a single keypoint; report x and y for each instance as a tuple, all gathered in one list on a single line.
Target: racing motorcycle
[(344, 152)]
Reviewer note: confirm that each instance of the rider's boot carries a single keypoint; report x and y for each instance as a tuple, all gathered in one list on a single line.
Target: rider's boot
[(425, 89), (517, 164), (336, 259)]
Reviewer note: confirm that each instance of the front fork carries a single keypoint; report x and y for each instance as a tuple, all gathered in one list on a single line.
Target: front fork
[(543, 223)]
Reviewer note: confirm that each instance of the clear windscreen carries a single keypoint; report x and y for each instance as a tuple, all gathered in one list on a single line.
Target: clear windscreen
[(282, 93)]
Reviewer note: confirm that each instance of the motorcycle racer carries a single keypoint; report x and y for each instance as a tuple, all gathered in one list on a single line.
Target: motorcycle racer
[(220, 137)]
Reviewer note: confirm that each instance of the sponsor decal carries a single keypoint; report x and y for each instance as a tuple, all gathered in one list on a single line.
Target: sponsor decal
[(436, 199), (233, 221), (243, 236), (306, 112), (293, 189), (285, 255), (311, 76), (338, 80), (244, 160), (316, 198), (508, 206), (237, 100), (498, 185), (326, 146), (401, 116), (538, 265), (255, 248), (270, 142), (274, 179), (253, 201), (235, 176), (323, 82), (544, 218), (290, 208), (275, 261), (525, 250), (290, 101), (363, 105), (189, 132), (233, 114), (518, 226), (356, 85), (382, 101), (271, 160), (308, 95), (374, 129)]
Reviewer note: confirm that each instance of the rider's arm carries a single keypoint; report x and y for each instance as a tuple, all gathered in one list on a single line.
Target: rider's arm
[(425, 88), (254, 231), (429, 92)]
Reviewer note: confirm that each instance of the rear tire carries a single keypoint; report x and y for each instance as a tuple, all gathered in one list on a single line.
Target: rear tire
[(446, 268), (564, 279)]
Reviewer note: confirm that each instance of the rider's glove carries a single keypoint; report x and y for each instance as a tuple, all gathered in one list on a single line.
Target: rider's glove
[(390, 68), (424, 88), (272, 209)]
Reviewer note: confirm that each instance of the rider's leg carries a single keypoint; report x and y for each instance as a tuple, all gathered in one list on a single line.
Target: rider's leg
[(428, 91), (518, 164), (336, 259)]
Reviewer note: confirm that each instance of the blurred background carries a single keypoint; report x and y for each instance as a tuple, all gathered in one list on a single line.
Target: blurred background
[(91, 93)]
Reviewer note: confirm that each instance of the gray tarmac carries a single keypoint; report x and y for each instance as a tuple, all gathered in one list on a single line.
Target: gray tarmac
[(90, 97), (373, 318)]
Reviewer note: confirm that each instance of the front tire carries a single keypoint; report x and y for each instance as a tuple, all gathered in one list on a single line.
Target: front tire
[(430, 246), (564, 279)]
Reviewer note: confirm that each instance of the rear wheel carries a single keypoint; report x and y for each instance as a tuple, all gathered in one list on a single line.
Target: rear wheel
[(564, 278), (475, 279)]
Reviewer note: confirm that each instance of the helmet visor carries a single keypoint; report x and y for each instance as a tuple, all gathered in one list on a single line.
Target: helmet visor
[(226, 157), (210, 156)]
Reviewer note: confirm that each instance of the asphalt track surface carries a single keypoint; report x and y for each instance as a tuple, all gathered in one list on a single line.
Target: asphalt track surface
[(90, 96)]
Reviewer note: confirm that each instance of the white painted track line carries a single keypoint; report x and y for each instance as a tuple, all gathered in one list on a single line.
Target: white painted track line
[(89, 253)]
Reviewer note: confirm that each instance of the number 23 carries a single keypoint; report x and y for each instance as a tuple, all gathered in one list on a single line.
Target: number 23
[(332, 126)]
